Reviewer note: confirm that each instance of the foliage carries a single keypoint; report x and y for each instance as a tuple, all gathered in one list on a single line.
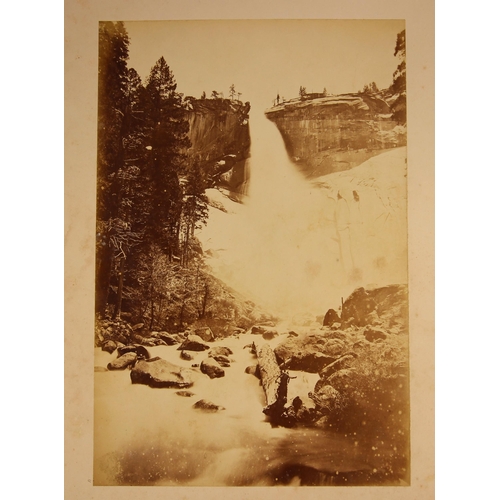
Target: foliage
[(399, 79)]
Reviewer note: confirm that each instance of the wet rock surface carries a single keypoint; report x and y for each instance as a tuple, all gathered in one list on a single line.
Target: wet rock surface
[(158, 372)]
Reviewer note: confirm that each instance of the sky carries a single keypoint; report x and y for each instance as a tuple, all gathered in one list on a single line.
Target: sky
[(265, 57)]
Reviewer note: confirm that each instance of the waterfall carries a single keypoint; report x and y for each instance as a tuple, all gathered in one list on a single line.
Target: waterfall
[(297, 246)]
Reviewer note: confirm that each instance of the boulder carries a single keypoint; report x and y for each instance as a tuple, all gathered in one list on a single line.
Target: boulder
[(123, 362), (109, 346), (205, 333), (185, 394), (373, 333), (185, 355), (222, 360), (167, 338), (140, 350), (193, 343), (211, 368), (331, 317), (310, 352), (208, 406), (266, 332), (160, 373), (253, 370), (219, 351)]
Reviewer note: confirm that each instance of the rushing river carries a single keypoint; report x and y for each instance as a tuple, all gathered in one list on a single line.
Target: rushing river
[(146, 436)]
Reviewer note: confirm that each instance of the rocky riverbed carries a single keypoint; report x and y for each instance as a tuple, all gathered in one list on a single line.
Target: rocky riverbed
[(190, 409)]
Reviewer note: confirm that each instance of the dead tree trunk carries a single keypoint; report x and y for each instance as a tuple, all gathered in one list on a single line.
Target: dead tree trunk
[(274, 381)]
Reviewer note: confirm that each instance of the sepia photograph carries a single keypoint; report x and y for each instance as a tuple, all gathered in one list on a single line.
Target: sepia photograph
[(252, 323)]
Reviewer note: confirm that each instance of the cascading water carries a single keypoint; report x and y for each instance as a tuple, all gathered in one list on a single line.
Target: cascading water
[(298, 246)]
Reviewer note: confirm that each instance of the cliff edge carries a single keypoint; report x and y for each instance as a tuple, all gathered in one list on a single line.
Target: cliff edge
[(337, 132)]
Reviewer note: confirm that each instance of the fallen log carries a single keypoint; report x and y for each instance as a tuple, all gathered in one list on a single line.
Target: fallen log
[(274, 381)]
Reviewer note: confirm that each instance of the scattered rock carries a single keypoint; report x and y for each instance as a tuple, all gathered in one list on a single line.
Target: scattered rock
[(167, 338), (211, 368), (219, 351), (208, 406), (195, 365), (109, 346), (158, 372), (123, 362), (185, 394), (222, 360), (266, 332), (253, 370), (185, 355), (193, 343), (331, 317), (292, 334)]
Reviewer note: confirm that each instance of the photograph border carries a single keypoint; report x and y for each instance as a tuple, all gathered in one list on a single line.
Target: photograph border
[(81, 37)]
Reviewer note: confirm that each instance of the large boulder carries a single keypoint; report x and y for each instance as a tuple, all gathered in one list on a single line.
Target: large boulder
[(160, 373), (193, 343), (123, 362), (386, 307), (331, 317), (211, 368), (309, 353), (205, 333), (140, 350)]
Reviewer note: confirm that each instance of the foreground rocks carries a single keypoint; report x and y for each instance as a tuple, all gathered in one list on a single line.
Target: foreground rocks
[(211, 368), (158, 372), (123, 362), (207, 406), (193, 343)]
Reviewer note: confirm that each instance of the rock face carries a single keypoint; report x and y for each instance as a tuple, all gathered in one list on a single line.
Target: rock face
[(385, 307), (220, 138), (160, 373), (193, 343), (211, 368), (334, 133), (123, 362)]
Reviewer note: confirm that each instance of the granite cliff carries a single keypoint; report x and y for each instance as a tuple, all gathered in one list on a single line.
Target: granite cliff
[(326, 134), (220, 140)]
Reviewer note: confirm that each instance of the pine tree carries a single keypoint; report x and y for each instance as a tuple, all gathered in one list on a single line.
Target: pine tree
[(168, 141), (112, 83)]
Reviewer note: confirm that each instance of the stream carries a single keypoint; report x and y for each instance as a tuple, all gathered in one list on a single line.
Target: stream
[(146, 436)]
